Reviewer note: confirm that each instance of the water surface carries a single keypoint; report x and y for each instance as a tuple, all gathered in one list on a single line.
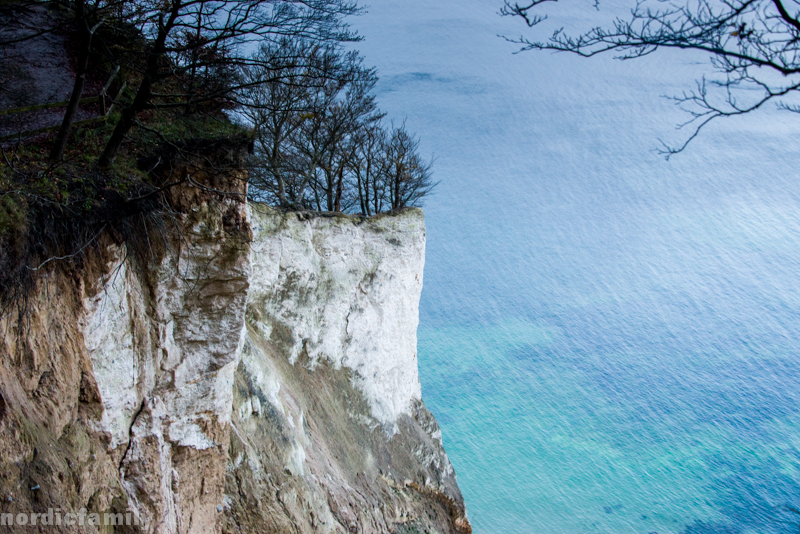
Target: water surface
[(608, 340)]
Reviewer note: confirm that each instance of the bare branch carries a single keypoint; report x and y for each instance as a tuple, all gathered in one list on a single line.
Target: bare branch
[(741, 37)]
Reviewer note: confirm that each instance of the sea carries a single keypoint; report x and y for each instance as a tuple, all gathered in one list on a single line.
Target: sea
[(608, 339)]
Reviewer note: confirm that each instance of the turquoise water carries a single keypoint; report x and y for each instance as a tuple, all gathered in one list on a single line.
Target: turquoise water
[(608, 340), (630, 378), (557, 438), (626, 370)]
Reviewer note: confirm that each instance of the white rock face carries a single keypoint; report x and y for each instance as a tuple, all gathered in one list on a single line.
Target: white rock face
[(109, 337), (311, 325), (164, 348), (346, 291), (329, 433)]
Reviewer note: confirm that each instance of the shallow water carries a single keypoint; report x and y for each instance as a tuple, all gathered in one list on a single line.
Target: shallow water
[(608, 340)]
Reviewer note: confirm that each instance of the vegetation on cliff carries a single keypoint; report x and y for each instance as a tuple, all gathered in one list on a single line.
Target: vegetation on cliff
[(173, 77), (754, 47)]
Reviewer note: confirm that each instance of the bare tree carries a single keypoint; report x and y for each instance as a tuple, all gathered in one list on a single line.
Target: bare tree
[(367, 168), (754, 47), (86, 16), (407, 176), (322, 144), (217, 37), (277, 108), (341, 123)]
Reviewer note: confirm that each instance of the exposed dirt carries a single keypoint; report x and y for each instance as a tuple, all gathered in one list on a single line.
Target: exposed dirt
[(49, 455)]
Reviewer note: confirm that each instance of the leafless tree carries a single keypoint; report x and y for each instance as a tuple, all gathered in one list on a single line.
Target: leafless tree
[(196, 47), (754, 47), (367, 167), (328, 138), (86, 16), (330, 152), (407, 175), (320, 141), (90, 16), (277, 108), (307, 121)]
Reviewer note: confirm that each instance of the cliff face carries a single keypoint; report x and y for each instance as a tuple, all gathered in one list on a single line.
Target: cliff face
[(117, 383), (329, 433), (260, 377)]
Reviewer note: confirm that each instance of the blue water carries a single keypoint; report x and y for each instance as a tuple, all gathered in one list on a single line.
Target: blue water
[(608, 340)]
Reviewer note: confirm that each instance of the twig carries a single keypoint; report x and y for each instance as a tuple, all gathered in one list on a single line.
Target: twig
[(48, 260)]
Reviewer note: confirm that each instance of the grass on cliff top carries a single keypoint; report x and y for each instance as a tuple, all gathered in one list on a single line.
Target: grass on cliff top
[(57, 211)]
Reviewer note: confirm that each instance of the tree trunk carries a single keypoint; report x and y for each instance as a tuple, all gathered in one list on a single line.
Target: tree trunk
[(144, 93), (281, 188), (302, 189), (85, 40), (396, 196), (329, 188), (275, 161), (124, 125), (339, 188), (361, 196)]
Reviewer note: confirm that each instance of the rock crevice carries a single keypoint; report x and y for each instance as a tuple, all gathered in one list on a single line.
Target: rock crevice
[(261, 376)]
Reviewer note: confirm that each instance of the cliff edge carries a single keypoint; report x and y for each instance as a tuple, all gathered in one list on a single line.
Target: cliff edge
[(258, 376), (329, 433)]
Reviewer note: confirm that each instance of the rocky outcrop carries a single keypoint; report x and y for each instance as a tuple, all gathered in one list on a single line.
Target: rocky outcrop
[(257, 375), (329, 431), (163, 356), (117, 381), (346, 291)]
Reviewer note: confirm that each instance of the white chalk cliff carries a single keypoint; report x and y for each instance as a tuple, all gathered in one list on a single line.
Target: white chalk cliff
[(258, 376), (344, 291)]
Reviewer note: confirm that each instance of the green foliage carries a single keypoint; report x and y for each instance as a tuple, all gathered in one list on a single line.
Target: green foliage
[(173, 127), (56, 210)]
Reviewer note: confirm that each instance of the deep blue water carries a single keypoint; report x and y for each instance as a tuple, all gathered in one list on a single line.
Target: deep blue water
[(608, 340)]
